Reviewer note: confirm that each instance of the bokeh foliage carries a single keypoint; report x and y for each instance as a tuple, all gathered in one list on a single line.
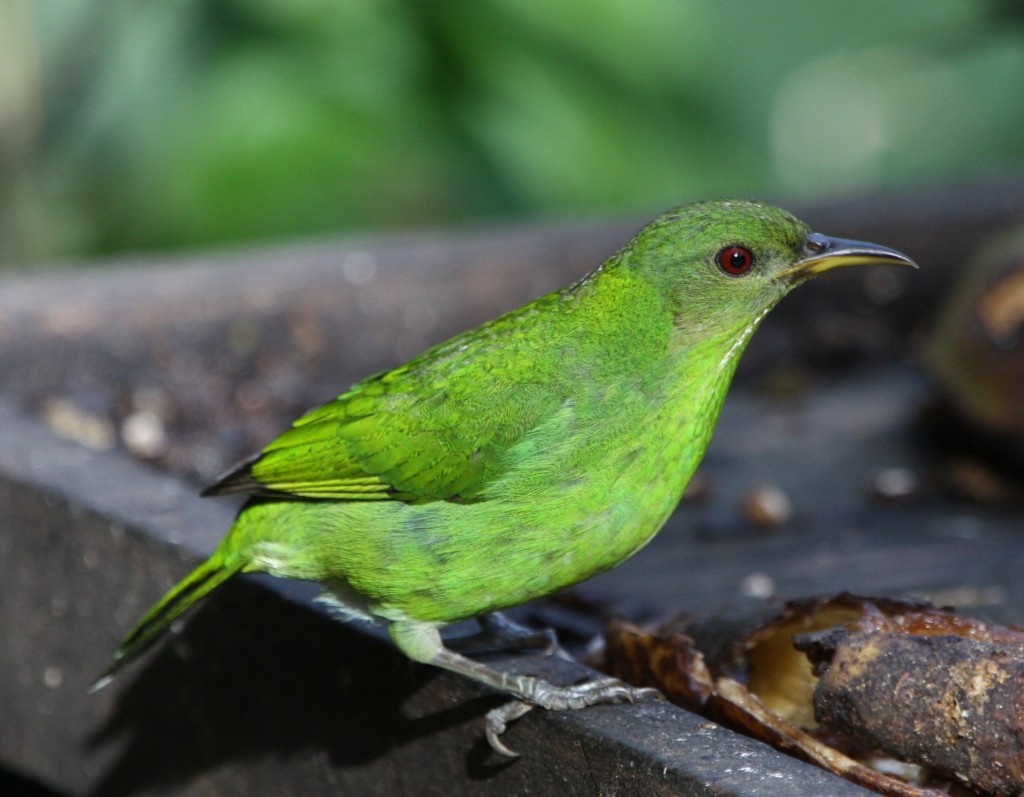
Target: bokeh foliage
[(128, 124)]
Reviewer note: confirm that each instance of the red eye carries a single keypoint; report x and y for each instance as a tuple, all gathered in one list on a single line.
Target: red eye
[(735, 260)]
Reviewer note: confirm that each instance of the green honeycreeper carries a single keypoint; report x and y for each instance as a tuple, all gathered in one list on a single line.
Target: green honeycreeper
[(522, 456)]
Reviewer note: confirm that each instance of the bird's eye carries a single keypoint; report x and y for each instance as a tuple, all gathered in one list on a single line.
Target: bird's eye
[(735, 260)]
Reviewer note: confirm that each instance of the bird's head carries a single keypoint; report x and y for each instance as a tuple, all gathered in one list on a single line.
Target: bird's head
[(722, 265)]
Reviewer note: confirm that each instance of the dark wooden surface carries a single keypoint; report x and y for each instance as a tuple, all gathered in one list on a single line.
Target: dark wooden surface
[(260, 692)]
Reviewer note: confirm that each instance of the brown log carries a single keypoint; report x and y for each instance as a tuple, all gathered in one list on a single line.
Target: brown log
[(953, 703)]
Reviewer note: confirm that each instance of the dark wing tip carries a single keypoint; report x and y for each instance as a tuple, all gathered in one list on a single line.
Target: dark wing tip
[(239, 480)]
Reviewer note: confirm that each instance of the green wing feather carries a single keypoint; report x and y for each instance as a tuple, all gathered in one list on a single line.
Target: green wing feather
[(435, 428)]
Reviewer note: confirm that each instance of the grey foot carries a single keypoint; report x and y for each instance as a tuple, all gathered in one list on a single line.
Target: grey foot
[(560, 698), (498, 633), (422, 642)]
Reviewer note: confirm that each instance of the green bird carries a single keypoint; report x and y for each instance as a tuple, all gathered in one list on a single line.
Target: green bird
[(523, 456)]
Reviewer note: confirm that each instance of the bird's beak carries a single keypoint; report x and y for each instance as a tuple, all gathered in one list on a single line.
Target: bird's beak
[(824, 254)]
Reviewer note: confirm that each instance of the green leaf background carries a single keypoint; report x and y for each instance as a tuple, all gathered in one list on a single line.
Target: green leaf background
[(155, 124)]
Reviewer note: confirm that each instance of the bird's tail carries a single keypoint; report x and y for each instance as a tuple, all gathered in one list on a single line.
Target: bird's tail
[(196, 585)]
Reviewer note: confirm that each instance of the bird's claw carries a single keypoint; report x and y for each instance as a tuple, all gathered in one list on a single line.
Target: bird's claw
[(590, 693), (558, 698), (498, 720)]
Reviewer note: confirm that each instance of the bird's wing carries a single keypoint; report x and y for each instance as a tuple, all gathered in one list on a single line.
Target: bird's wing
[(405, 435)]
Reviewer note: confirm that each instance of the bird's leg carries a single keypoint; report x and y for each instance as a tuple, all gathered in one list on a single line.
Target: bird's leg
[(422, 642), (498, 632)]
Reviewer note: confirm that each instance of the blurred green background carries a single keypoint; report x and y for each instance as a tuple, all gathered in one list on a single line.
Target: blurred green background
[(145, 124)]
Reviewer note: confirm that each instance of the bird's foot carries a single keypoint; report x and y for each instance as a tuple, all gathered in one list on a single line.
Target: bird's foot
[(560, 698), (500, 633), (422, 642)]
